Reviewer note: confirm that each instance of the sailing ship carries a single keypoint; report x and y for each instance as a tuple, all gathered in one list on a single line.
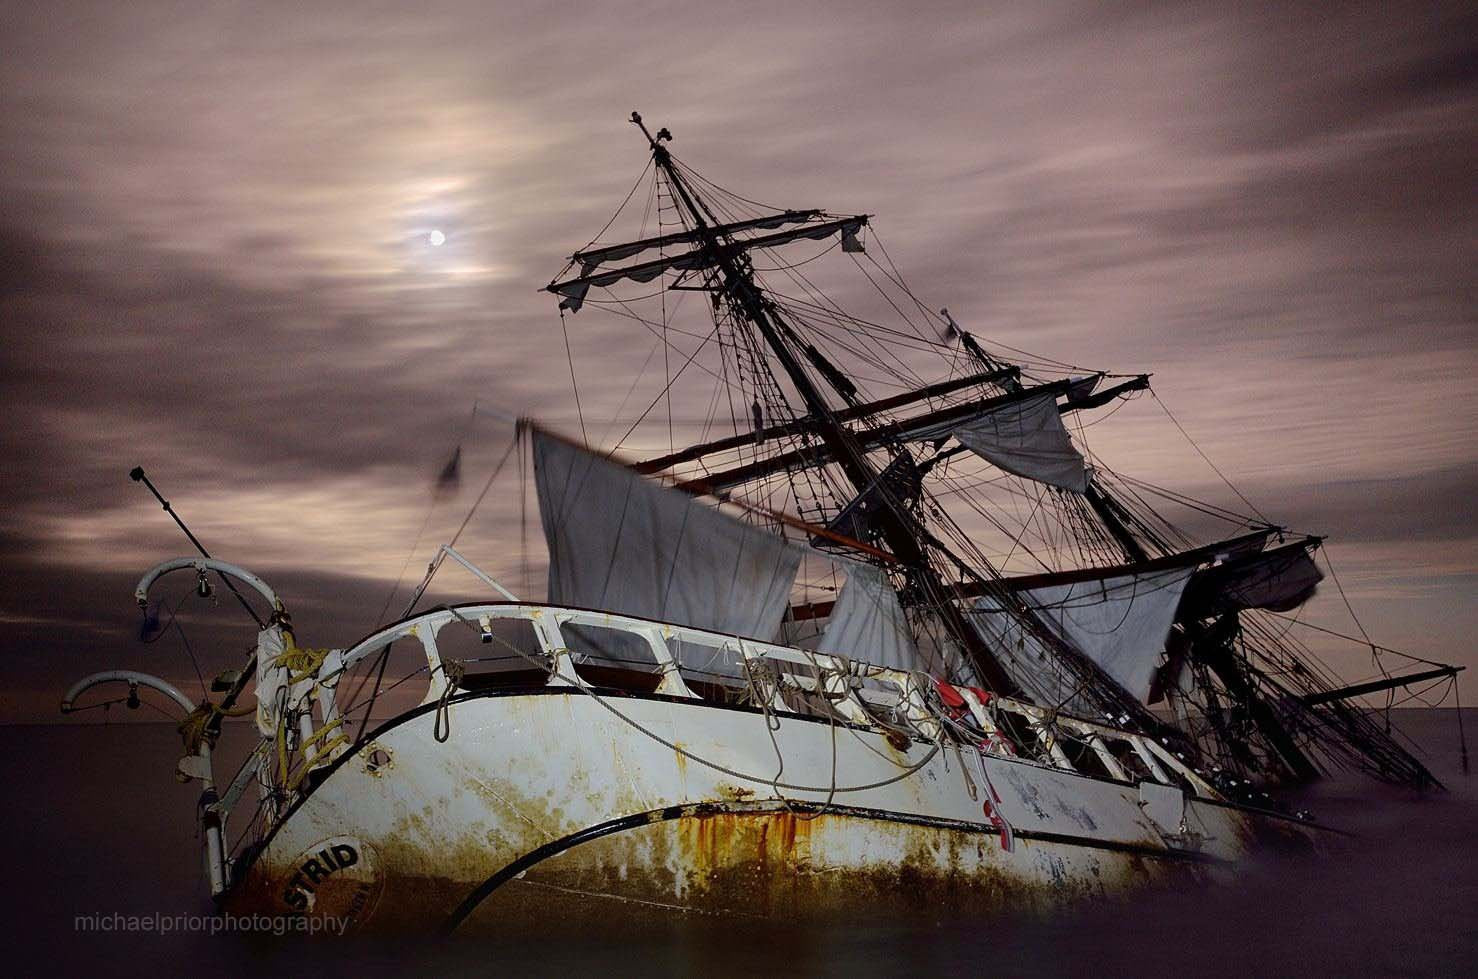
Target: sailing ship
[(864, 652)]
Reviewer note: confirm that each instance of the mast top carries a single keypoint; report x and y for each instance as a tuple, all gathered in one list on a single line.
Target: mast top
[(658, 150)]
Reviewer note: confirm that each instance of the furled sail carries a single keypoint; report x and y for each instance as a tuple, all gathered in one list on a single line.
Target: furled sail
[(1023, 437), (1120, 623), (1278, 580), (573, 291), (621, 543), (867, 622), (590, 258)]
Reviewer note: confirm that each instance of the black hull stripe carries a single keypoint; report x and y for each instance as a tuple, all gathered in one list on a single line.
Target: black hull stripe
[(698, 810)]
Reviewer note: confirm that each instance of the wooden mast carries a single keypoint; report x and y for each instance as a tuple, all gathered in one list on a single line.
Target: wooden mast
[(738, 284)]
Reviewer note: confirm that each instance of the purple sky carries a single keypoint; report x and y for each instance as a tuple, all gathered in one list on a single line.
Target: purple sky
[(214, 262)]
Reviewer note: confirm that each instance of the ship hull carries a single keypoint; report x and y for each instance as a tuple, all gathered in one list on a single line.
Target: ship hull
[(636, 808)]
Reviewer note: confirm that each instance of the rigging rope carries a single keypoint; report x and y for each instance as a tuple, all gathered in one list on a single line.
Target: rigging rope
[(1165, 408), (574, 384)]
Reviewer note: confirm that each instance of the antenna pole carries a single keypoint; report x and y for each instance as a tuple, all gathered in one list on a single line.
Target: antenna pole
[(138, 476)]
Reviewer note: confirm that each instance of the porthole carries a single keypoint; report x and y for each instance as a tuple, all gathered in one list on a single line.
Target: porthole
[(377, 760)]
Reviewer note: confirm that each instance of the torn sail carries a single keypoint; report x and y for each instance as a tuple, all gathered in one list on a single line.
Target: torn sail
[(618, 542)]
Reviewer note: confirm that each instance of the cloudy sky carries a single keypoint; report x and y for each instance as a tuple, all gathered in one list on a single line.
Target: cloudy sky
[(215, 262)]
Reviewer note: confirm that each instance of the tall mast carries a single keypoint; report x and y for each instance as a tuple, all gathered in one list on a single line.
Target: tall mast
[(738, 284)]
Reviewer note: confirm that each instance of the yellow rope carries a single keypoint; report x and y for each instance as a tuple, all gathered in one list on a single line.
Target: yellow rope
[(195, 727), (237, 711), (331, 726), (281, 750), (301, 664), (284, 757), (309, 763)]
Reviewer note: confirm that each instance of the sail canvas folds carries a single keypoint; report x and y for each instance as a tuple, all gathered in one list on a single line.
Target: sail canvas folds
[(573, 295), (620, 543), (1026, 438), (868, 623), (1278, 580), (1120, 623)]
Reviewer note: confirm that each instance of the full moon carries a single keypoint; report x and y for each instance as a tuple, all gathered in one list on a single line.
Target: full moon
[(437, 238)]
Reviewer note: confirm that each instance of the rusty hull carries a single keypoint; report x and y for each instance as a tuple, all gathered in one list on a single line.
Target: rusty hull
[(549, 807)]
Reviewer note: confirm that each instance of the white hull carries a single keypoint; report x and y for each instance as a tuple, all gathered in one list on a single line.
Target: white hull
[(547, 801)]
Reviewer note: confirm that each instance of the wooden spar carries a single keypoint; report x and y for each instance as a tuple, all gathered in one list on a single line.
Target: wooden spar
[(1138, 383), (1376, 686), (1195, 555), (1019, 583), (594, 256), (705, 256), (867, 438), (807, 423)]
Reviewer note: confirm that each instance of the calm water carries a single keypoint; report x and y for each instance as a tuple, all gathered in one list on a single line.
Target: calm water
[(97, 825)]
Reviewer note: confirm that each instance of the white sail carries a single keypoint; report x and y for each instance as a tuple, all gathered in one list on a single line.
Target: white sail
[(618, 542), (868, 623), (1026, 438), (1120, 623)]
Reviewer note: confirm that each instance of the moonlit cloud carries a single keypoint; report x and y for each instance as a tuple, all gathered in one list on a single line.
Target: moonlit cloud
[(215, 261)]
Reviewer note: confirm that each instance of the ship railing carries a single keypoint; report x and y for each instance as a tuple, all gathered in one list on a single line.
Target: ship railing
[(774, 677)]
